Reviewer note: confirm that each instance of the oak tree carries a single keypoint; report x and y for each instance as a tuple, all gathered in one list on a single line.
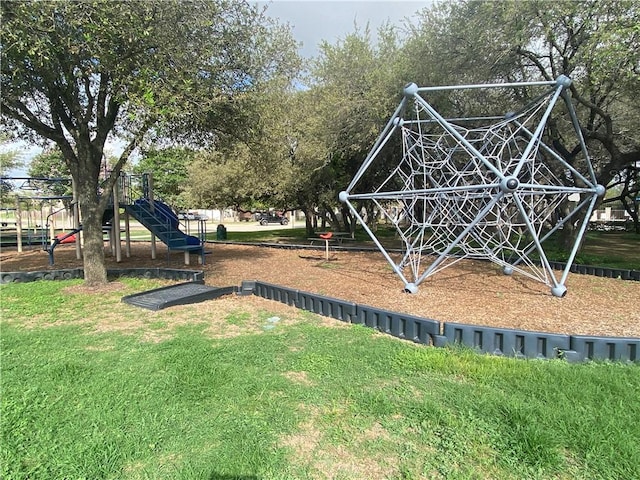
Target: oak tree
[(594, 42), (82, 73)]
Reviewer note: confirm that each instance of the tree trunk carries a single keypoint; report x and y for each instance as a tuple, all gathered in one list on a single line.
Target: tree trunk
[(95, 271), (309, 215), (335, 223), (569, 233), (372, 217), (347, 219), (567, 237)]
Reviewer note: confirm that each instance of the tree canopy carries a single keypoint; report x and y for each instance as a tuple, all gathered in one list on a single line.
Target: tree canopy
[(81, 73), (595, 43), (170, 167), (9, 160)]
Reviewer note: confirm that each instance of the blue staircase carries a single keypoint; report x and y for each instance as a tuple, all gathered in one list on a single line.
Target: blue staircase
[(159, 219)]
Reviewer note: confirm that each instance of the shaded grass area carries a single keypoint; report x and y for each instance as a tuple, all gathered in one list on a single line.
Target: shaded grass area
[(603, 249), (612, 249), (300, 399), (285, 234)]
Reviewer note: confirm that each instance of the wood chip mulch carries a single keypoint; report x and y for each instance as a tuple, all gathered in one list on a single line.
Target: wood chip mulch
[(471, 292)]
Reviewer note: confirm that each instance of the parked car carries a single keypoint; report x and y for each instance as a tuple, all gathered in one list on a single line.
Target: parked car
[(191, 216), (267, 218)]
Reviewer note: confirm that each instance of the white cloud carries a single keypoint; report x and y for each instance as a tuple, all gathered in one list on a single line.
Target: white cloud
[(314, 21)]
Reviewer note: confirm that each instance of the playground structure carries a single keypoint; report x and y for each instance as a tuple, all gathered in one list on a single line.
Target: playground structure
[(478, 186), (134, 199), (40, 231), (135, 195)]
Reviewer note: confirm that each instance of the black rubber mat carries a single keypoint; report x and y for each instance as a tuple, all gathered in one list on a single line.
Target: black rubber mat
[(181, 294)]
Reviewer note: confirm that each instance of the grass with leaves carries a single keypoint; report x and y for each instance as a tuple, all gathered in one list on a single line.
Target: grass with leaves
[(243, 388)]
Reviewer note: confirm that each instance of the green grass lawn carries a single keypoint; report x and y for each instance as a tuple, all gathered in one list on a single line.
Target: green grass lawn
[(94, 388), (615, 249)]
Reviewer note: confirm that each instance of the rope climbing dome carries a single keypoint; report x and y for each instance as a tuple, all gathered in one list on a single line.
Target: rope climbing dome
[(478, 187)]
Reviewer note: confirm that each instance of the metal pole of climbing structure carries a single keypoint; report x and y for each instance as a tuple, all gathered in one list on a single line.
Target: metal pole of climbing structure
[(76, 220), (52, 225), (18, 225), (116, 223), (125, 191), (152, 206), (127, 235)]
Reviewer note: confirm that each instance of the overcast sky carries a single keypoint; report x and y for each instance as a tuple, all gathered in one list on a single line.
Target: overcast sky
[(330, 20)]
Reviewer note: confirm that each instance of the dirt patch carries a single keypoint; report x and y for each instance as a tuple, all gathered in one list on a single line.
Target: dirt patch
[(375, 432), (469, 292), (324, 459), (299, 378)]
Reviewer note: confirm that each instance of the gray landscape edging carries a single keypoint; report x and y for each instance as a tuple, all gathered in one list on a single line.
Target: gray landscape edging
[(71, 273), (491, 340)]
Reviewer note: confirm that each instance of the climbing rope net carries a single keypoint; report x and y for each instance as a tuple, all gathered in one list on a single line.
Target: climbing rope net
[(482, 187)]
